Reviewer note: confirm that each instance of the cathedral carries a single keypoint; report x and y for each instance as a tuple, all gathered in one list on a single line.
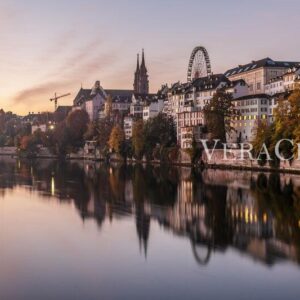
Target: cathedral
[(141, 82)]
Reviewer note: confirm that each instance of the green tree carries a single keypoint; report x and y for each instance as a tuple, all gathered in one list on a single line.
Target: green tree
[(218, 114), (159, 132)]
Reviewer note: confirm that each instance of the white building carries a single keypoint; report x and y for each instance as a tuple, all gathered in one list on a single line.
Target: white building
[(258, 73), (284, 83), (251, 110), (290, 77), (91, 100), (153, 109), (256, 107), (274, 86), (188, 125), (128, 124), (199, 92), (41, 127), (185, 102)]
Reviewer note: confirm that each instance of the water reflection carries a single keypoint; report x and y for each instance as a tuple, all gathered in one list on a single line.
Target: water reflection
[(256, 214)]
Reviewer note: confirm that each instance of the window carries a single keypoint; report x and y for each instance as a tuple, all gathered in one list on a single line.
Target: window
[(263, 101), (258, 85)]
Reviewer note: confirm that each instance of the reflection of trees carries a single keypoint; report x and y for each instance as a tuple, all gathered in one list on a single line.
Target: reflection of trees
[(284, 205), (264, 213)]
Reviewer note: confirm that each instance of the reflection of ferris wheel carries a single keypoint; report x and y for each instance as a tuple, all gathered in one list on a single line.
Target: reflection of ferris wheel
[(199, 64)]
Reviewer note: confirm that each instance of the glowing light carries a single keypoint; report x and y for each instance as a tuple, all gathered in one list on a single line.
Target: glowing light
[(265, 218), (251, 217), (52, 186), (246, 214)]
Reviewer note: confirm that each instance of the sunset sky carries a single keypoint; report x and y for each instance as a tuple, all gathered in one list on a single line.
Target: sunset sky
[(55, 46)]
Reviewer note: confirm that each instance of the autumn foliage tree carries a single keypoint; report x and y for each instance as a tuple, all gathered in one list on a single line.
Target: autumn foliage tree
[(116, 139), (104, 129), (28, 145), (285, 126)]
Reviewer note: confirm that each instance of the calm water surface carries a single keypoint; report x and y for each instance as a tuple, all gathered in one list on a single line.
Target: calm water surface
[(91, 231)]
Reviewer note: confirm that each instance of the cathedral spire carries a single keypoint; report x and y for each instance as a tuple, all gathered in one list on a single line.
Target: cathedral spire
[(138, 63), (141, 82), (143, 65)]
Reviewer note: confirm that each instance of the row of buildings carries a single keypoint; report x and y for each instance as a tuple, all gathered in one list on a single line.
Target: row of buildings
[(255, 88)]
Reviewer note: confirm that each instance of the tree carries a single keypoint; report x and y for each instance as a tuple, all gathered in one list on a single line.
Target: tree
[(77, 124), (61, 139), (194, 152), (159, 132), (138, 139), (28, 145), (91, 131), (104, 129), (108, 106), (286, 126), (116, 139), (218, 114)]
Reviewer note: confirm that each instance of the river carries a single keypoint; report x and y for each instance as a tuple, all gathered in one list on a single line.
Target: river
[(77, 230)]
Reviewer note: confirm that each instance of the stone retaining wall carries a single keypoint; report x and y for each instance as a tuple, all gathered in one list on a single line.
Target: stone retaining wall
[(234, 160)]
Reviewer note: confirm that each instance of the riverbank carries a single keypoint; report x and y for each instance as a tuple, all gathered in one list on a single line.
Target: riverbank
[(216, 161)]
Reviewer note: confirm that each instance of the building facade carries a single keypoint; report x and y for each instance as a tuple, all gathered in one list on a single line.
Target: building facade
[(258, 73)]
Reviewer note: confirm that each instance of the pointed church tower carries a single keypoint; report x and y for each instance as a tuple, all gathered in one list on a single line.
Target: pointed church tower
[(141, 82), (144, 82), (136, 76)]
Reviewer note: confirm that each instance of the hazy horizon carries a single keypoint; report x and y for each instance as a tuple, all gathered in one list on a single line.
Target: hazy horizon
[(59, 46)]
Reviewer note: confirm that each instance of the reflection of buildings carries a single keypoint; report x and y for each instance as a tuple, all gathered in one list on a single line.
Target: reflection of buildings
[(214, 210), (254, 228)]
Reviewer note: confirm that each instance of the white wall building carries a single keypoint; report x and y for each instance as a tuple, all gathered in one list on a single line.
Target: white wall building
[(256, 107), (153, 109), (289, 78), (258, 73), (128, 124), (251, 110), (274, 86), (41, 127), (91, 100), (187, 126)]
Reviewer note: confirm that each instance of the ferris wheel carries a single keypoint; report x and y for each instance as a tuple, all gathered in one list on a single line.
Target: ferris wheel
[(199, 64)]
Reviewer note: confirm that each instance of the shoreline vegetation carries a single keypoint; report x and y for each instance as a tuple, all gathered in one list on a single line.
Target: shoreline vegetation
[(199, 165), (155, 141)]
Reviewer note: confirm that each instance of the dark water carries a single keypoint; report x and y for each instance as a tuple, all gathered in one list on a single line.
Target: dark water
[(90, 231)]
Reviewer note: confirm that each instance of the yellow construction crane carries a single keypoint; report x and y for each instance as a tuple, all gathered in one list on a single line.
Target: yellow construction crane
[(57, 97)]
